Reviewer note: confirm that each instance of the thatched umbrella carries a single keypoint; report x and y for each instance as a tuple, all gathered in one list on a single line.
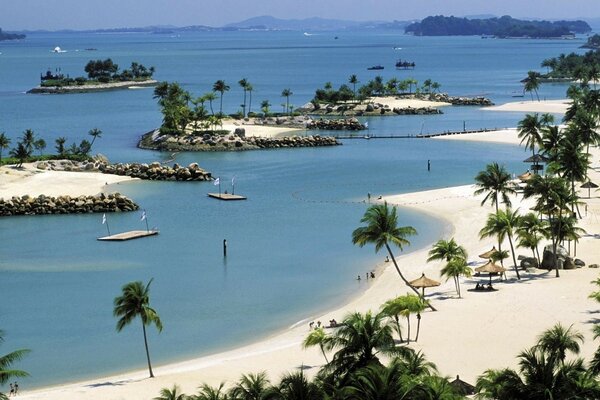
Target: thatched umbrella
[(589, 185), (536, 160), (491, 269), (488, 253), (424, 282), (461, 387)]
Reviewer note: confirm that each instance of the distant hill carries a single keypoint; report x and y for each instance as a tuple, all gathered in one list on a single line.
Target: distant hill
[(312, 24), (10, 36), (505, 26)]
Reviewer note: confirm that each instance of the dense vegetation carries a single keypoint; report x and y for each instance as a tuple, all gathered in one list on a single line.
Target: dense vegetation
[(10, 36), (505, 26), (593, 42), (101, 71), (23, 151), (574, 66)]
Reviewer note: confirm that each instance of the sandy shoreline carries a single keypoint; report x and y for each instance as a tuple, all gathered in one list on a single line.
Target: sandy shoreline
[(544, 106), (492, 326)]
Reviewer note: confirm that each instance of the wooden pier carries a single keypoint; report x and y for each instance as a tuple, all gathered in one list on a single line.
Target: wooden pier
[(417, 136), (120, 237), (226, 196)]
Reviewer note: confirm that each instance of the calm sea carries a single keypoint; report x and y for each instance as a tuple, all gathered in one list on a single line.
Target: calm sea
[(290, 252)]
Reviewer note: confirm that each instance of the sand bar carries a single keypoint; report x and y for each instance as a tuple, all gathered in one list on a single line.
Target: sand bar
[(394, 102), (545, 106)]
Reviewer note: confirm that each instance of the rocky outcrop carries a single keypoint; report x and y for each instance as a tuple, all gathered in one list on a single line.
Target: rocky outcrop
[(230, 142), (100, 87), (42, 205), (157, 172), (417, 111), (351, 124), (366, 109), (563, 259), (154, 171), (460, 101)]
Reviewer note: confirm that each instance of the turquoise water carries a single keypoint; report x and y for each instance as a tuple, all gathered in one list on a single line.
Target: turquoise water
[(290, 253)]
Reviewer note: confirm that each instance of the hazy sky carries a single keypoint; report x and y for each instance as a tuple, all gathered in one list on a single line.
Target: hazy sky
[(87, 14)]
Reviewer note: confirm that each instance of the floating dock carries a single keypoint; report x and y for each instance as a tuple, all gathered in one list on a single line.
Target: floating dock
[(120, 237), (226, 196)]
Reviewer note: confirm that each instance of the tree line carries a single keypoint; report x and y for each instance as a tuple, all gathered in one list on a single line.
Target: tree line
[(103, 71), (23, 151)]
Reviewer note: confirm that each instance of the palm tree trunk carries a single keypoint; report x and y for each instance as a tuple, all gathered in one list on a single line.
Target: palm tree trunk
[(221, 105), (512, 250), (408, 323), (147, 352), (418, 326), (244, 111), (554, 246), (398, 326), (387, 246), (249, 102), (458, 286), (323, 351)]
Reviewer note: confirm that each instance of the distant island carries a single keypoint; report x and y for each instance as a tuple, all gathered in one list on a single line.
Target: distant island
[(593, 42), (10, 36), (101, 75), (568, 67), (503, 27)]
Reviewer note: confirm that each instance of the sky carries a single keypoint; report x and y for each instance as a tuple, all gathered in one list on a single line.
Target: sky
[(87, 14)]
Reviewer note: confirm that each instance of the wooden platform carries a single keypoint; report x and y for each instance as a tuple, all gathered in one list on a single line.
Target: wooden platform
[(226, 196), (119, 237)]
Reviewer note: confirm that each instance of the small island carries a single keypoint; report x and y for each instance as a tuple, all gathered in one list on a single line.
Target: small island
[(571, 67), (503, 27), (10, 36), (593, 42), (101, 75)]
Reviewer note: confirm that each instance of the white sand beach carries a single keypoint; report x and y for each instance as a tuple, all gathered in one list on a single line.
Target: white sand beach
[(394, 102), (33, 182), (465, 336), (544, 106), (253, 129)]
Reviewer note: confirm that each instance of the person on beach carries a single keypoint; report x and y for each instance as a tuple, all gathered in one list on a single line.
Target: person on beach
[(387, 258), (358, 278), (12, 390), (16, 388), (372, 274)]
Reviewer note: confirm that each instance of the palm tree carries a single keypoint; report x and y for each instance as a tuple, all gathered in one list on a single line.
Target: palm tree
[(532, 84), (249, 88), (171, 394), (414, 364), (264, 106), (380, 382), (316, 337), (595, 363), (553, 198), (40, 144), (571, 162), (454, 269), (530, 131), (208, 392), (7, 360), (4, 143), (287, 93), (360, 339), (495, 182), (210, 97), (94, 133), (353, 80), (221, 87), (382, 229), (250, 387), (531, 231), (436, 86), (135, 302), (446, 250), (557, 341), (294, 386), (551, 137), (21, 153), (244, 84), (60, 145), (393, 309), (416, 305), (502, 224), (28, 139)]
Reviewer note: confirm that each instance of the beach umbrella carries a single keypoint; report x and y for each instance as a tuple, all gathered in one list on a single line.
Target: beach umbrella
[(536, 159), (461, 387), (589, 185), (423, 282), (491, 269), (488, 253)]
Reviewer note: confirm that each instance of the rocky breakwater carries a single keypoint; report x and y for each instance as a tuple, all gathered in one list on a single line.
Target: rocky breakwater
[(44, 205), (351, 124), (157, 172), (365, 109), (459, 101), (236, 141), (292, 141)]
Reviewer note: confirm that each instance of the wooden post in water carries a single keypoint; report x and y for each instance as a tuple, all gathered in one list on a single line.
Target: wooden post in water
[(224, 247)]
